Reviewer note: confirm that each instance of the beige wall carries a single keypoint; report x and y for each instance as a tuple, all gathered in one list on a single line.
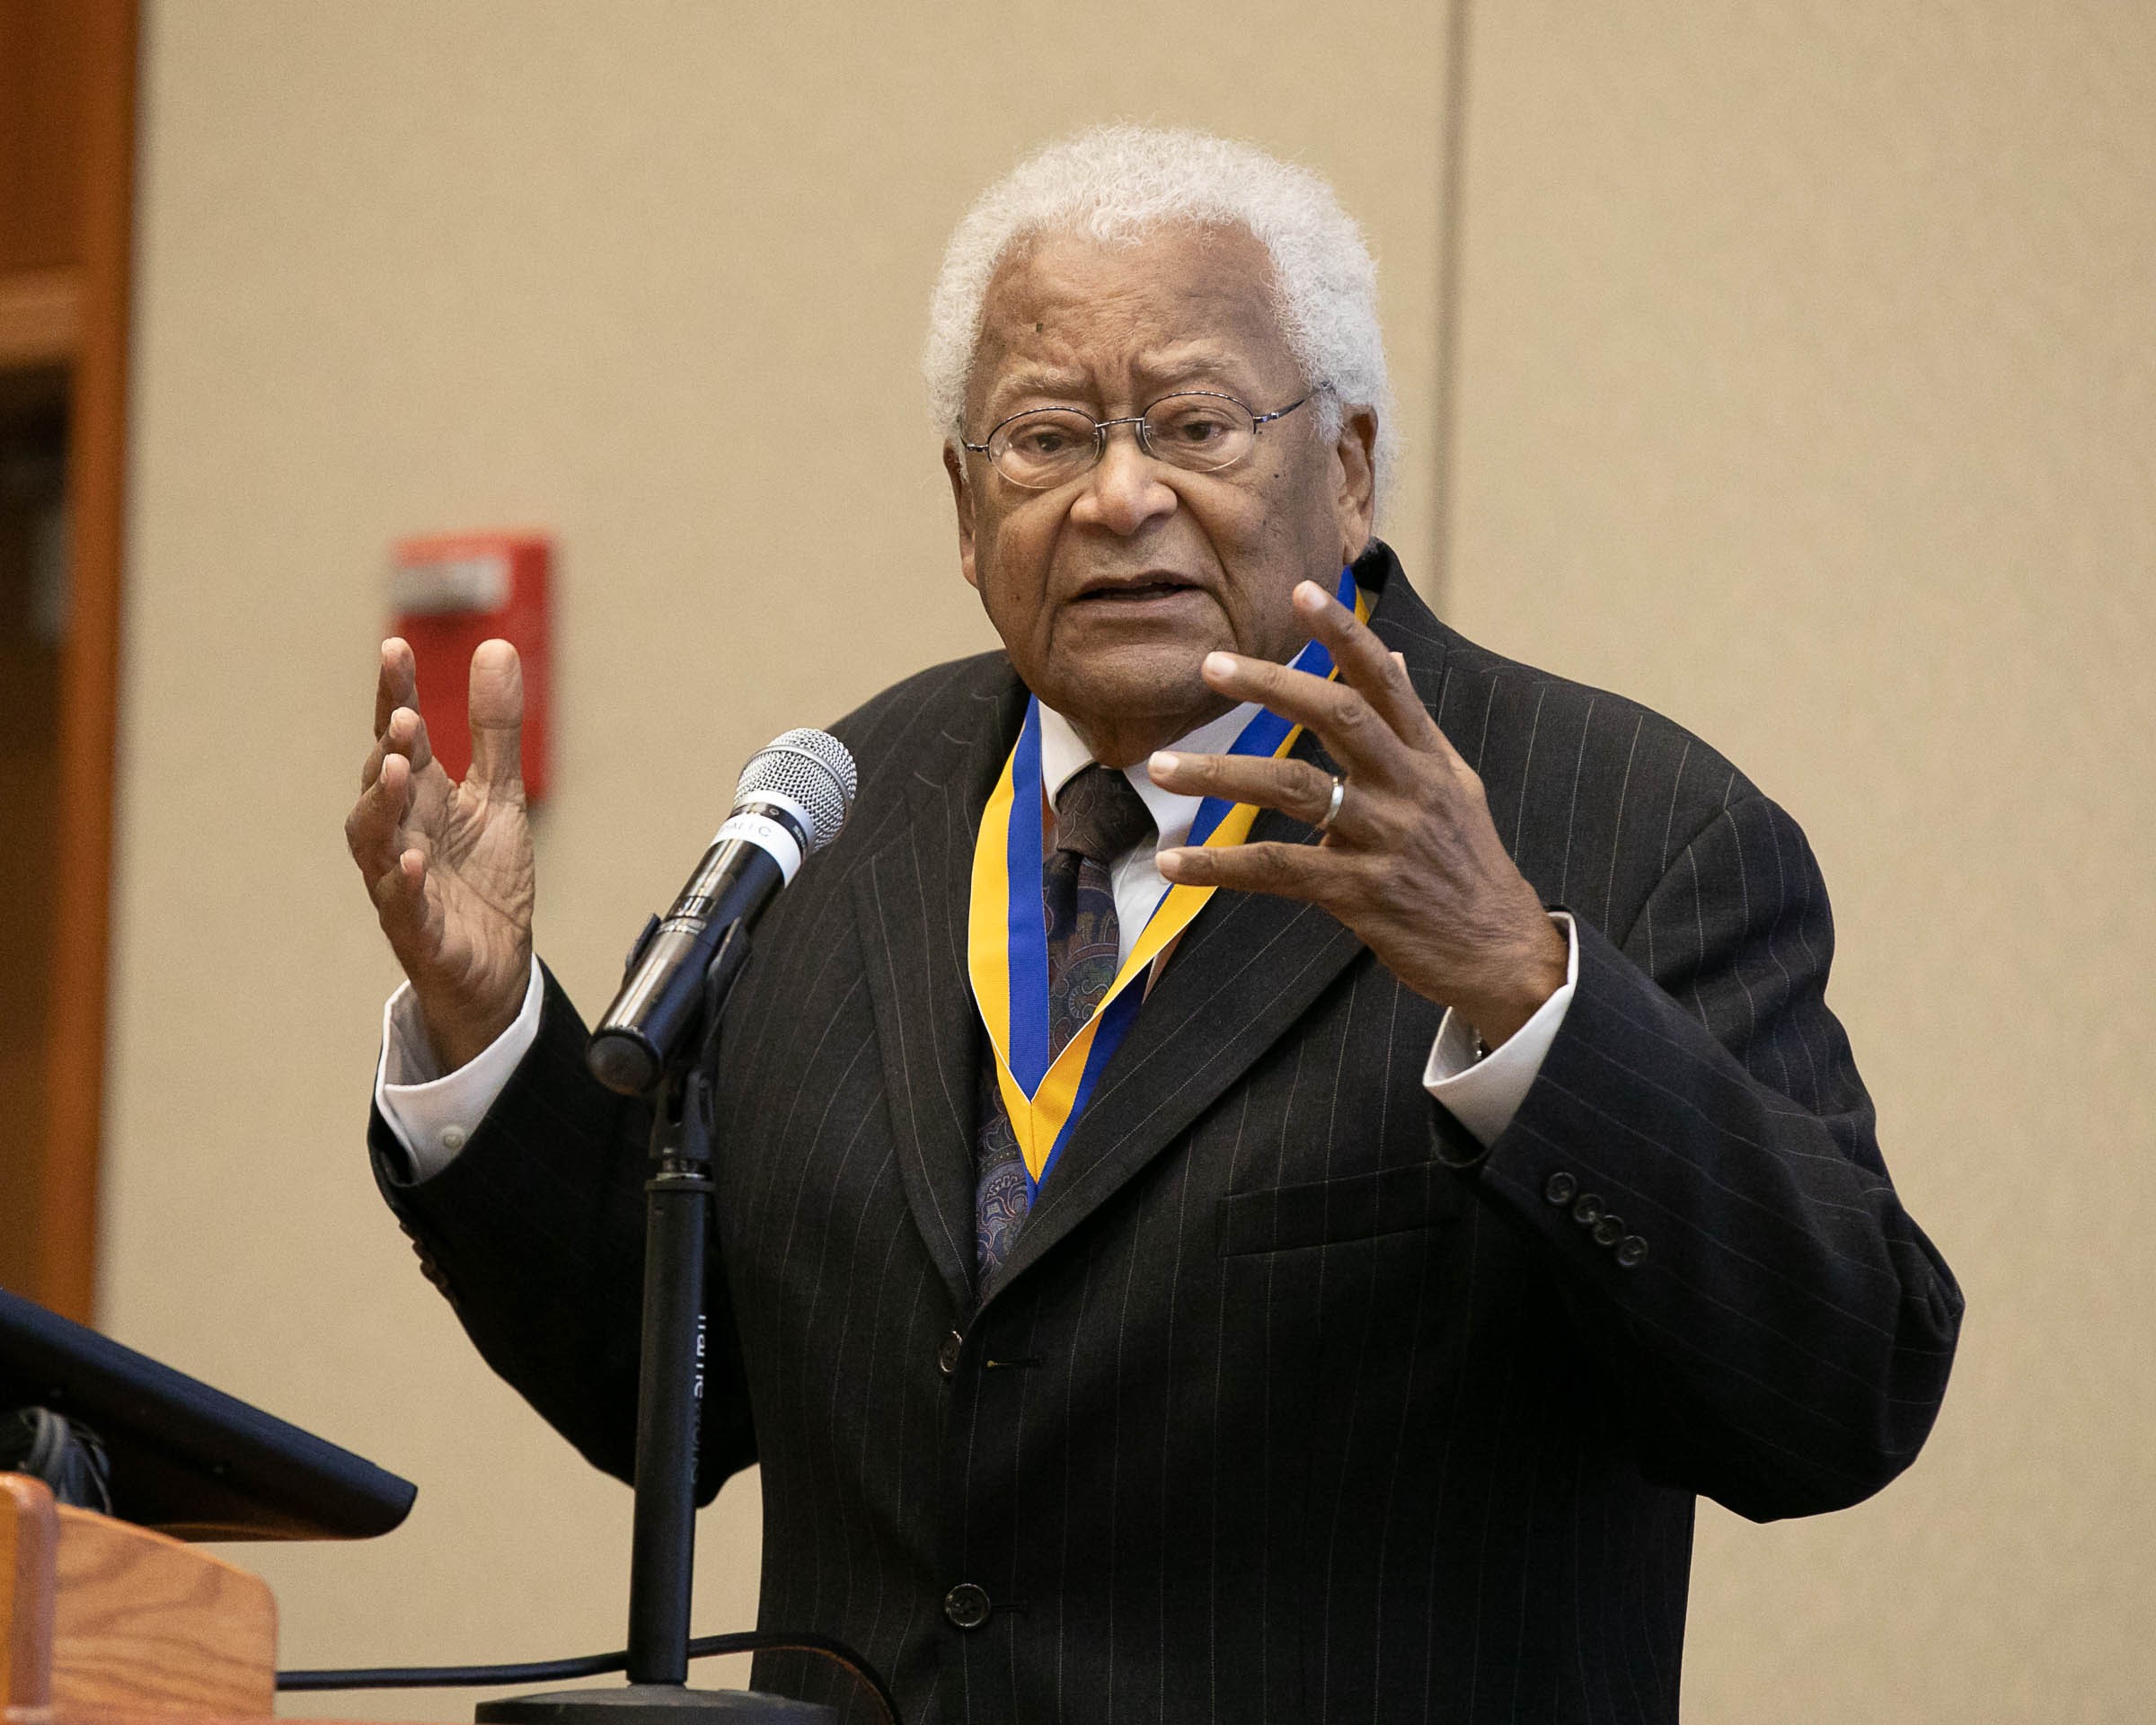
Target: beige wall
[(1805, 392), (1808, 393)]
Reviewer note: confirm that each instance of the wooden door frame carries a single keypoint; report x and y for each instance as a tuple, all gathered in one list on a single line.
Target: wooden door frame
[(67, 1187)]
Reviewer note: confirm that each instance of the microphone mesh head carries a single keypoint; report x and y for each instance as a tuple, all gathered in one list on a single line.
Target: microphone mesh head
[(810, 767)]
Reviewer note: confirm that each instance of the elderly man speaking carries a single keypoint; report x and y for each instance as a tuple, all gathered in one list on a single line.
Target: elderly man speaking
[(1308, 1270)]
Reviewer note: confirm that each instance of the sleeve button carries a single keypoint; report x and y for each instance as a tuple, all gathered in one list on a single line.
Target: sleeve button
[(1586, 1209), (1609, 1231), (1560, 1188), (1631, 1252)]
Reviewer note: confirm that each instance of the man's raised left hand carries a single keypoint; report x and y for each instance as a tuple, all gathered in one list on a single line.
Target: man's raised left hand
[(1411, 863)]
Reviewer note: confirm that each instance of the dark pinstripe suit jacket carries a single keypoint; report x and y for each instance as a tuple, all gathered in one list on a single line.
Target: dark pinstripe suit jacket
[(1292, 1404)]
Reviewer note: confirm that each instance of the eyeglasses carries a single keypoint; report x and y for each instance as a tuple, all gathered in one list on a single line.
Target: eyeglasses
[(1197, 430)]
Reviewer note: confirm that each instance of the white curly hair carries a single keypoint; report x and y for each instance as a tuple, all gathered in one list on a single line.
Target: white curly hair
[(1116, 183)]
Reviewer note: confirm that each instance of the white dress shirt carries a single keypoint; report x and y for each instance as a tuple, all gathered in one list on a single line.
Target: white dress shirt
[(434, 1114)]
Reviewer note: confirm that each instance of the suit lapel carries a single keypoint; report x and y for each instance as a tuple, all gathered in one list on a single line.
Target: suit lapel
[(910, 901), (1247, 968)]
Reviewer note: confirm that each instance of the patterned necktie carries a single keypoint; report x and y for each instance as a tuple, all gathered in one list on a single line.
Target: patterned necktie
[(1099, 816)]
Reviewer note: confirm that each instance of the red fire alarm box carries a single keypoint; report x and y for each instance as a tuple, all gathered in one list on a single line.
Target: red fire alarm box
[(450, 591)]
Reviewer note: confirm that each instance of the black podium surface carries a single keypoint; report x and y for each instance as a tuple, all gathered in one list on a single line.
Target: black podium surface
[(187, 1460)]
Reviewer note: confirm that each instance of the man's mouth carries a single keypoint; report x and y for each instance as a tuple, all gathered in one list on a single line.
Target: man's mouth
[(1153, 588)]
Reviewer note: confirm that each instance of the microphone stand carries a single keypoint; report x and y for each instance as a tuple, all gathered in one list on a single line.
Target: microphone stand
[(668, 1403)]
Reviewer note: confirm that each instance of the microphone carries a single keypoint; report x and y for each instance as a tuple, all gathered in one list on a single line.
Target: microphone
[(790, 802)]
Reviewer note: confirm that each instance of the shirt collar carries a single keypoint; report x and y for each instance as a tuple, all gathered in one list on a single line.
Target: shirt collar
[(1063, 756)]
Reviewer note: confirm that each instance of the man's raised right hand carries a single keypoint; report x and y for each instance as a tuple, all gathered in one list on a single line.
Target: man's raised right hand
[(449, 866)]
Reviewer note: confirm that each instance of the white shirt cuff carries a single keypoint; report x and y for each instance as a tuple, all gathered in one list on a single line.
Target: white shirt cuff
[(1483, 1096), (434, 1114)]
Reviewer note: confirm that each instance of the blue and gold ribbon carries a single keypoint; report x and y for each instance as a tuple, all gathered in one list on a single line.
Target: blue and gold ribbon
[(1007, 942)]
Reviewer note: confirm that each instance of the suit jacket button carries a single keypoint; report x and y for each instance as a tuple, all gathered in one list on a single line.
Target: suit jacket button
[(1586, 1209), (947, 1356), (967, 1606), (1609, 1230), (1631, 1252), (1560, 1188)]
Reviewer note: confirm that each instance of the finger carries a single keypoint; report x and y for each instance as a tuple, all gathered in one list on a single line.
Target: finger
[(405, 734), (396, 683), (400, 895), (373, 830), (1351, 728), (1379, 675), (1296, 787), (1301, 872), (496, 708)]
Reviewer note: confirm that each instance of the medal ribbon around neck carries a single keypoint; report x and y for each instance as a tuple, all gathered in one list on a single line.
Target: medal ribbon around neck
[(1007, 942)]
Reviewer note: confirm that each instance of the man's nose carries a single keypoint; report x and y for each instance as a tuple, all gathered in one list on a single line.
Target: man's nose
[(1125, 490)]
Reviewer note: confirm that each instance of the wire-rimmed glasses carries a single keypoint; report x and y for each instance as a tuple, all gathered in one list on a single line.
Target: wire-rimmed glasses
[(1198, 430)]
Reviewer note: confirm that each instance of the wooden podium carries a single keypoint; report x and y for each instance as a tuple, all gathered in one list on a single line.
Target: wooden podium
[(107, 1623)]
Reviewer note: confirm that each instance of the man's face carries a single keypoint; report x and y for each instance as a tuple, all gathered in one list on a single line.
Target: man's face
[(1109, 589)]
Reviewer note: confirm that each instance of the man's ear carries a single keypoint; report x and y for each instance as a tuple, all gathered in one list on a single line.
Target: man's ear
[(1355, 481), (961, 497)]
